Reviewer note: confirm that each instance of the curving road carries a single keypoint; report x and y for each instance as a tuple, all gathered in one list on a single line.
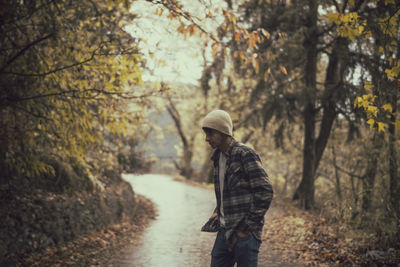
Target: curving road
[(174, 239)]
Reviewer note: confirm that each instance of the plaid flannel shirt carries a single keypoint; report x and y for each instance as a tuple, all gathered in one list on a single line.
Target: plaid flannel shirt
[(247, 193)]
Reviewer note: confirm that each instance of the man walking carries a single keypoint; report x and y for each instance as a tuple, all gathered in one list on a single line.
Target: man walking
[(243, 194)]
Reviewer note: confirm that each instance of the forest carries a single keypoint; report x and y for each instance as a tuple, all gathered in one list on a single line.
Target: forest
[(311, 85)]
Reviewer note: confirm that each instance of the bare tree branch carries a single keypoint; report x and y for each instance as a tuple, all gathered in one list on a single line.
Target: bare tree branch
[(176, 10), (76, 93), (23, 50)]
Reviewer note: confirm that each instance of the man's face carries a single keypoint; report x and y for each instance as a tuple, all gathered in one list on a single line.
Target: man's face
[(213, 137)]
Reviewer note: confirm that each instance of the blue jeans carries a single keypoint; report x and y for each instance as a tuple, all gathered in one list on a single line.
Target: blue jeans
[(245, 252)]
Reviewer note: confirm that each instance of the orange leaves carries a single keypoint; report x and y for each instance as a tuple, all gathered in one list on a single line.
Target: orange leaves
[(171, 16), (190, 29), (265, 33), (237, 36), (254, 38), (251, 39), (283, 69), (242, 55), (239, 54), (215, 48)]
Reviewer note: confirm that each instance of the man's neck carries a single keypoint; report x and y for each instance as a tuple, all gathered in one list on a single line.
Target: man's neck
[(227, 142)]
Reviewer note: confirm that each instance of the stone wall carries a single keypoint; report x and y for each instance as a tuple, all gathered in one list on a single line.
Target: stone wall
[(33, 222)]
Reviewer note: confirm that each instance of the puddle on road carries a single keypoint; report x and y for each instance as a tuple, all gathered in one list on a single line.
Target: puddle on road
[(174, 238)]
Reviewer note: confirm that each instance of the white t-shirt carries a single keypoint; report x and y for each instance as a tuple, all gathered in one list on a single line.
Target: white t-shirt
[(222, 170)]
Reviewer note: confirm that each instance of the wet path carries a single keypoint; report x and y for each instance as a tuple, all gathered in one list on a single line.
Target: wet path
[(174, 238)]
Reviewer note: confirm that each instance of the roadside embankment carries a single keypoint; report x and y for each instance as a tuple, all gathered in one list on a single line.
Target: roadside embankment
[(42, 220), (98, 248)]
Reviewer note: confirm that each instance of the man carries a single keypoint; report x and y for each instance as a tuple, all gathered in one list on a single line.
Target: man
[(243, 194)]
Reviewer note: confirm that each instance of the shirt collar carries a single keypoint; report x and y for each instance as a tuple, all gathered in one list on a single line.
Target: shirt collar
[(227, 153)]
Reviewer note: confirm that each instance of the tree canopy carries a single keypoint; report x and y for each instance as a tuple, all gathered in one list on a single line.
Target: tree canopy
[(66, 68)]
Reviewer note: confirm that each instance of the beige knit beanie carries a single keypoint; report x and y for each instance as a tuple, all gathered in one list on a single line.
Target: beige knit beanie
[(218, 120)]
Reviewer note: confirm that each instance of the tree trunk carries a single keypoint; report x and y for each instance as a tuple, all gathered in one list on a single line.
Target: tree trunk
[(338, 61), (185, 164), (337, 177), (305, 191), (187, 170), (354, 190), (393, 166), (368, 179)]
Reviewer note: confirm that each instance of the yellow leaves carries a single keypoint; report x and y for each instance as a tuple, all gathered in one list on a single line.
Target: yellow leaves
[(365, 101), (234, 20), (350, 17), (266, 74), (367, 34), (393, 72), (79, 92), (389, 25), (358, 102), (371, 123), (373, 112), (382, 126), (388, 107), (368, 85), (348, 24), (333, 17)]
